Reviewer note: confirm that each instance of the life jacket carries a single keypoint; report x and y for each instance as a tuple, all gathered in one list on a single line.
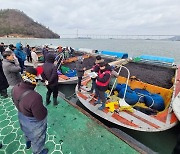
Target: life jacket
[(101, 75)]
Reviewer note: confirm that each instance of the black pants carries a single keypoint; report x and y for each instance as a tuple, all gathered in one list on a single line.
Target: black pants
[(21, 64), (29, 58), (79, 82), (101, 95), (53, 89)]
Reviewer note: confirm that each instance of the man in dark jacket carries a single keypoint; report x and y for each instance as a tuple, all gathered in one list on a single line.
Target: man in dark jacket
[(50, 77), (95, 69), (2, 47), (28, 53), (102, 82), (32, 114), (45, 52), (3, 82), (80, 70)]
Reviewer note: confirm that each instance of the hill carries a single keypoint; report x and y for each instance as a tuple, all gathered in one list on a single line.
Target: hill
[(14, 23)]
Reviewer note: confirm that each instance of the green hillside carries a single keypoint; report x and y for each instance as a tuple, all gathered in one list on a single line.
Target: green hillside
[(14, 23)]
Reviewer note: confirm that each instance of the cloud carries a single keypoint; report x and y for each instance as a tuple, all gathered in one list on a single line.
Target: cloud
[(103, 16)]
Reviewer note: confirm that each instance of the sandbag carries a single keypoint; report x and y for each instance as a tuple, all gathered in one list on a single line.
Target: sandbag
[(131, 97), (41, 59), (155, 101), (141, 93), (122, 86), (71, 73), (64, 69)]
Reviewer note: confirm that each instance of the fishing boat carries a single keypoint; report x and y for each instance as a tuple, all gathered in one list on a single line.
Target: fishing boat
[(117, 54), (141, 97), (67, 69)]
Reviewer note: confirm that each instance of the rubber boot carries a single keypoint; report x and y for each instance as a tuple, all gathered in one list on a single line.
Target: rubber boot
[(55, 101), (102, 107), (97, 102), (4, 93), (79, 88), (1, 146), (44, 151), (48, 98), (28, 144)]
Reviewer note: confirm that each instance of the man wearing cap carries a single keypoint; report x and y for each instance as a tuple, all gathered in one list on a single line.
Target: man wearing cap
[(95, 69), (45, 51), (32, 114), (2, 47), (102, 82)]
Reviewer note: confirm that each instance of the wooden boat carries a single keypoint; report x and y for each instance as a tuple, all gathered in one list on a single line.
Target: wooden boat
[(157, 76)]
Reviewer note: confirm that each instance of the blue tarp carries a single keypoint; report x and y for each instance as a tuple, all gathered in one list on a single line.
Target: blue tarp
[(115, 53), (157, 58)]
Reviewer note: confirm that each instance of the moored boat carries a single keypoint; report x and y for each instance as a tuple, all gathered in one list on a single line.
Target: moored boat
[(143, 96), (68, 70)]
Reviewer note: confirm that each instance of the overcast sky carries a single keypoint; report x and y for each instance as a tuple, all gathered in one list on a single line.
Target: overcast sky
[(133, 17)]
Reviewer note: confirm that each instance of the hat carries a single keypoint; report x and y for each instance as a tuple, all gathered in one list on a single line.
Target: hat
[(30, 75), (8, 49), (50, 57), (11, 45), (99, 61)]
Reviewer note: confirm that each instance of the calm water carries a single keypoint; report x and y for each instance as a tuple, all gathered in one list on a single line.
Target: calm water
[(132, 47), (162, 142)]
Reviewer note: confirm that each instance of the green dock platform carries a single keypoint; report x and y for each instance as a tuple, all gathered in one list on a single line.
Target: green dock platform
[(69, 131)]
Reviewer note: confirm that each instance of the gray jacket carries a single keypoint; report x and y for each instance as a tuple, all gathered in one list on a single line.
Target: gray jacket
[(12, 72), (79, 68)]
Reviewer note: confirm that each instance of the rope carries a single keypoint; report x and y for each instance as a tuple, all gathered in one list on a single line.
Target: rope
[(141, 95), (60, 56), (70, 96)]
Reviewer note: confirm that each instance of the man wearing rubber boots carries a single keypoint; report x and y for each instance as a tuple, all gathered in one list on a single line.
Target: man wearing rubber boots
[(102, 82)]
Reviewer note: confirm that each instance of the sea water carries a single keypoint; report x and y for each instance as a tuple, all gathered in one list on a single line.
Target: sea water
[(163, 48)]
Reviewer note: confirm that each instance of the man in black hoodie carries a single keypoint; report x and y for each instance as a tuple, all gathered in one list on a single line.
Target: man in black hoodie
[(50, 77)]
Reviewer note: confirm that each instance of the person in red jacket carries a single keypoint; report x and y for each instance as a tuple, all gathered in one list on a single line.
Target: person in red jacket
[(102, 82), (32, 114)]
